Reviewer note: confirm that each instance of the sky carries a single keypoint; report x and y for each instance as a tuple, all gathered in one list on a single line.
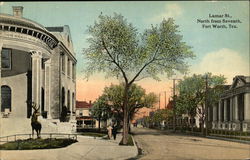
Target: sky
[(218, 50)]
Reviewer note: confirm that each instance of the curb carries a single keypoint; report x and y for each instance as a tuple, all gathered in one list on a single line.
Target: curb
[(137, 149), (228, 139)]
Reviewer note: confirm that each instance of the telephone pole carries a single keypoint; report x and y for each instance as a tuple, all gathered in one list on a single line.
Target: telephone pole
[(159, 100), (206, 106), (165, 100), (174, 114)]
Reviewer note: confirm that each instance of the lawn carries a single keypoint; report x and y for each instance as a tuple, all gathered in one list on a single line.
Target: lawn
[(28, 144)]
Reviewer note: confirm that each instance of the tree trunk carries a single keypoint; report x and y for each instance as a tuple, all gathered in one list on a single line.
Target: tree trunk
[(99, 123), (192, 124), (125, 117), (202, 120)]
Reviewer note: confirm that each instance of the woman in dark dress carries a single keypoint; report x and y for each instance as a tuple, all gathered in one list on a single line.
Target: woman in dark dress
[(114, 131)]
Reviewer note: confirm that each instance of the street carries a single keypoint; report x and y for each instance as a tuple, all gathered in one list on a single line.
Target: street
[(162, 145)]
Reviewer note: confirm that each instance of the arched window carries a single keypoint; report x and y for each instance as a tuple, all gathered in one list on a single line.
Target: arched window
[(42, 99), (68, 102), (63, 96), (73, 102), (6, 98)]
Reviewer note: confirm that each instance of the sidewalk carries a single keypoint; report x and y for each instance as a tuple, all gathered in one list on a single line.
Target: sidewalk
[(87, 148)]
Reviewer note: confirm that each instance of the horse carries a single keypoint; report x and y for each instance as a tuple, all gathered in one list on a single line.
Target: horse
[(35, 124)]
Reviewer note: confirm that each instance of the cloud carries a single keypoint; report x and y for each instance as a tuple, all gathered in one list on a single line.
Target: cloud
[(224, 61), (171, 10)]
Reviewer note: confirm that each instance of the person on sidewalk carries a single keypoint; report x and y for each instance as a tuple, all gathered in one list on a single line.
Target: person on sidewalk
[(114, 131), (109, 131)]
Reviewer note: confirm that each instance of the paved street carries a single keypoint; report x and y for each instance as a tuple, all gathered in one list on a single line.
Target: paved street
[(166, 146)]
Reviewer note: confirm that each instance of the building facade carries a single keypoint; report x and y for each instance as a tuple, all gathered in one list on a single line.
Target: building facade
[(38, 65), (83, 115), (232, 112)]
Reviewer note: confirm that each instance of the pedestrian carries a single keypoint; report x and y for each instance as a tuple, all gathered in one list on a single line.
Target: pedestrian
[(109, 131), (114, 131)]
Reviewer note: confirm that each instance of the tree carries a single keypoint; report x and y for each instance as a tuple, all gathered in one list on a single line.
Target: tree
[(117, 49), (100, 110), (161, 115), (193, 93), (112, 98)]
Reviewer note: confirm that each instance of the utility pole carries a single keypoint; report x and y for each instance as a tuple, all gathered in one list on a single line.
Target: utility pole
[(159, 100), (206, 106), (165, 100), (174, 113), (174, 116)]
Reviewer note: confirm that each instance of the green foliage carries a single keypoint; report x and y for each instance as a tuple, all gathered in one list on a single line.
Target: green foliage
[(161, 115), (37, 144), (100, 109), (193, 91), (111, 101), (117, 49)]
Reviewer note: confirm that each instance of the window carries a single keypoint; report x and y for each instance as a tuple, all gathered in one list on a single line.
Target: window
[(6, 58), (73, 71), (68, 98), (43, 63), (73, 102), (6, 98), (63, 96), (68, 68), (63, 62)]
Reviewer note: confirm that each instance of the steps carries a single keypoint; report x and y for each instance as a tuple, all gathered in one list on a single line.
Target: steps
[(12, 126)]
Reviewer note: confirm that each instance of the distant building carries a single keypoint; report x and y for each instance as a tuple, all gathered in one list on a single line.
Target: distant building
[(38, 65), (83, 115), (232, 112), (170, 104)]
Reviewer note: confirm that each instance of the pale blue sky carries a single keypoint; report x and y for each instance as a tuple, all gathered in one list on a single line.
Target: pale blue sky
[(224, 51)]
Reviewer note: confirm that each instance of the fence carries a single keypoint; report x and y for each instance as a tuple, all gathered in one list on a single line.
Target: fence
[(230, 134), (46, 135)]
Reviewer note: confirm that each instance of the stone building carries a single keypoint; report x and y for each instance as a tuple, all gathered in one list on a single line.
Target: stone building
[(38, 65), (233, 110)]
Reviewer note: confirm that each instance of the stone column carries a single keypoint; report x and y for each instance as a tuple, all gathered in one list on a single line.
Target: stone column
[(225, 122), (214, 123), (36, 77), (247, 107), (231, 109), (236, 123), (225, 110), (214, 113), (220, 116), (246, 122), (236, 109), (230, 125), (48, 87)]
